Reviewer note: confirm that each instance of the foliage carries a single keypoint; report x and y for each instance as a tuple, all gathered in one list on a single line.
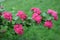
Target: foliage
[(35, 31)]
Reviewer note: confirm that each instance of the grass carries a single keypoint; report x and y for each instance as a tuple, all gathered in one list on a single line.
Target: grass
[(34, 32)]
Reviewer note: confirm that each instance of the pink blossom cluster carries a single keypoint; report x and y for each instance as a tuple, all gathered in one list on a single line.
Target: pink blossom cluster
[(36, 10), (21, 15), (53, 13), (48, 23), (36, 16), (19, 29), (7, 15)]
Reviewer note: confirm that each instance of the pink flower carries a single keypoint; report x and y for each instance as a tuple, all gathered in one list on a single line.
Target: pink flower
[(18, 29), (36, 10), (48, 24), (53, 13), (22, 15), (37, 18), (34, 15), (7, 15), (50, 11)]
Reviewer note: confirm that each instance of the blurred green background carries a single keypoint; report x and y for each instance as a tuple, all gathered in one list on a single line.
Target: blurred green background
[(34, 32)]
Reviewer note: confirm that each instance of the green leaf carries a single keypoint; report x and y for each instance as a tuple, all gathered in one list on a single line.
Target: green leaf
[(44, 14), (4, 27), (49, 18), (1, 10), (13, 22), (16, 18)]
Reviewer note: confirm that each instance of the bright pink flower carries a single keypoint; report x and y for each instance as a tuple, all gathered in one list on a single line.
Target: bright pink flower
[(55, 17), (37, 18), (48, 24), (34, 15), (7, 15), (36, 10), (18, 29), (22, 15), (53, 13), (50, 11)]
